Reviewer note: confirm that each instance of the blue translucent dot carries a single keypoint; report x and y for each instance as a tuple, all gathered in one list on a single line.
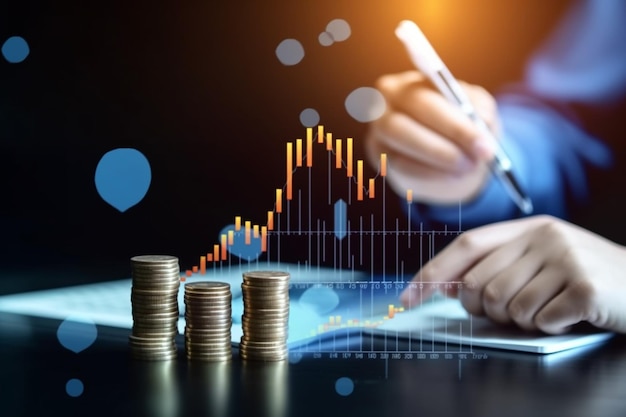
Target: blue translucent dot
[(74, 387), (295, 357), (344, 386), (77, 333), (123, 177), (15, 49)]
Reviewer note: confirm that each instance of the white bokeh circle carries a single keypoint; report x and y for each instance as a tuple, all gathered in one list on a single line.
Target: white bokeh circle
[(365, 104), (290, 52)]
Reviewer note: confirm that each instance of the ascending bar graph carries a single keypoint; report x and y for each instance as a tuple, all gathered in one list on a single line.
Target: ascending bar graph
[(341, 235)]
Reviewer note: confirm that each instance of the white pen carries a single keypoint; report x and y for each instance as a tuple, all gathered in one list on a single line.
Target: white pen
[(428, 62)]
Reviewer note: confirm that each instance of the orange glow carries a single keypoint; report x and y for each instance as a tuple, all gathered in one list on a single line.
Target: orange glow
[(237, 223), (231, 238), (255, 231), (409, 196), (329, 141), (320, 134), (194, 268), (209, 257), (391, 311), (216, 253), (371, 190)]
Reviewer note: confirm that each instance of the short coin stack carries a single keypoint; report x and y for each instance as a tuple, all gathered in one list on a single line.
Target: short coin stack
[(265, 315), (208, 315), (154, 298)]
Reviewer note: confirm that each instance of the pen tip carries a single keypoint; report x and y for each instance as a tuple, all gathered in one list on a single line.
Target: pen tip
[(527, 206)]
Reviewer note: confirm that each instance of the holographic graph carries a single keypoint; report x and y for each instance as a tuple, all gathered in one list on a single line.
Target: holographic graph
[(312, 211)]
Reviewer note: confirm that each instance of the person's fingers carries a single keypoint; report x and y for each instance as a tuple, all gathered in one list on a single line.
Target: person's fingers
[(434, 111), (506, 284), (452, 262), (480, 276), (411, 93), (399, 132), (466, 250), (534, 296), (485, 105), (391, 85), (416, 293), (569, 307)]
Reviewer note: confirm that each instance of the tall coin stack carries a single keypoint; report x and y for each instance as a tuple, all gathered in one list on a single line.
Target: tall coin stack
[(265, 315), (208, 321), (154, 298)]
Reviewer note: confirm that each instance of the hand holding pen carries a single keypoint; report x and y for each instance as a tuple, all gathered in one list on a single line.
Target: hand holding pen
[(441, 151)]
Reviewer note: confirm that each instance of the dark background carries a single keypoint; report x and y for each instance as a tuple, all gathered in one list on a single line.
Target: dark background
[(197, 88)]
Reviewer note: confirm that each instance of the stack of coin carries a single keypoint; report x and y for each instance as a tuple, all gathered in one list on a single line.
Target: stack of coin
[(208, 321), (265, 315), (154, 298)]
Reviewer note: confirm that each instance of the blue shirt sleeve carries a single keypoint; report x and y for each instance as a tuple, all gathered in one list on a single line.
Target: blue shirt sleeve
[(583, 62)]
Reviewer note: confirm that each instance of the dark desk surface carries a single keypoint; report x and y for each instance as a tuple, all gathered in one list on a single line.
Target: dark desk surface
[(35, 368)]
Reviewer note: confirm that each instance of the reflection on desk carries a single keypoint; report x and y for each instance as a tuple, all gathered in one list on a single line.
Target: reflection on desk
[(485, 383)]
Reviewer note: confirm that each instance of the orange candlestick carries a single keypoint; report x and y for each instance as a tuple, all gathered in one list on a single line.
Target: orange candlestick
[(383, 164), (289, 169), (349, 158)]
